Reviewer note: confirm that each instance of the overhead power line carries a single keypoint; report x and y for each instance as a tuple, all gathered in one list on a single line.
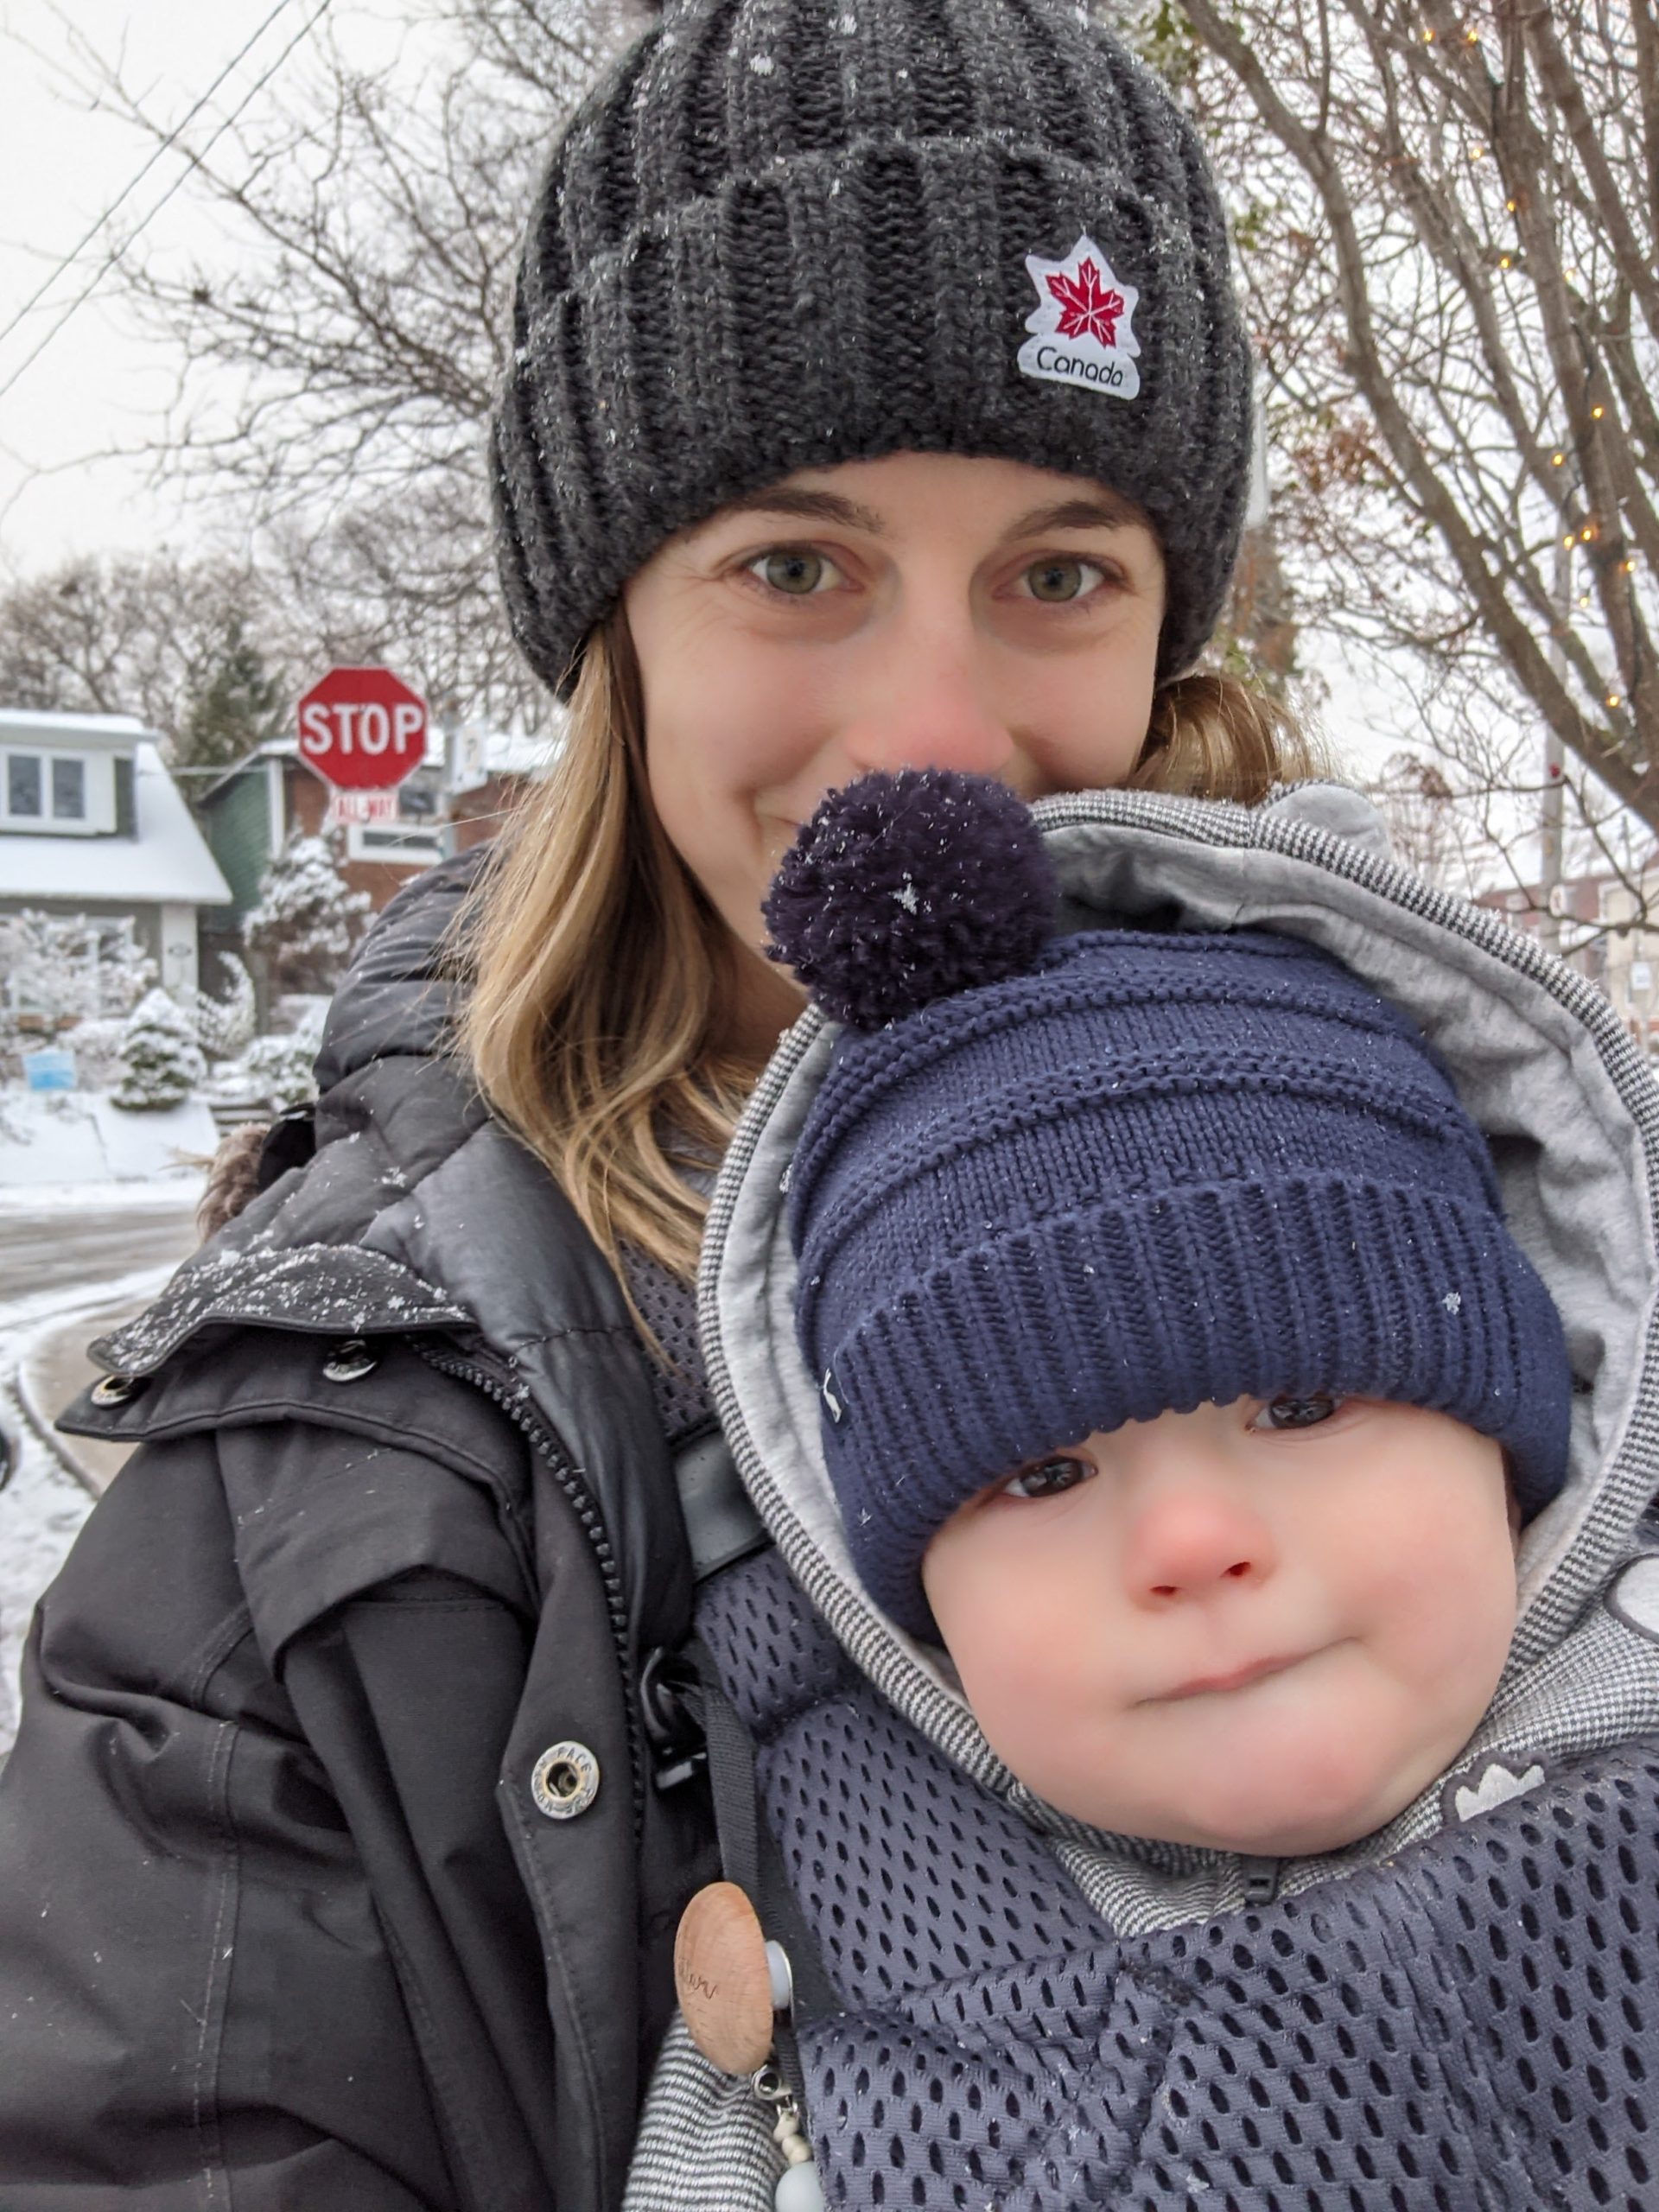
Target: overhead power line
[(116, 205), (192, 161)]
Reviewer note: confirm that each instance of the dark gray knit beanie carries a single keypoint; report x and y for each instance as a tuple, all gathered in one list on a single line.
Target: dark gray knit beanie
[(786, 233)]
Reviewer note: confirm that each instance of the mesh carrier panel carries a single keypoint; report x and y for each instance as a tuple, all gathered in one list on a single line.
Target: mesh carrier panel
[(906, 1871), (669, 1308), (1471, 2024)]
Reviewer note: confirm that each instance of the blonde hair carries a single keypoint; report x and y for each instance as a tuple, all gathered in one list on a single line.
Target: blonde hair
[(602, 973)]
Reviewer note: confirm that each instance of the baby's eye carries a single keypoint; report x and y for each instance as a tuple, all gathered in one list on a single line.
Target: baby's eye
[(1047, 1478), (1288, 1412), (1056, 581), (794, 570)]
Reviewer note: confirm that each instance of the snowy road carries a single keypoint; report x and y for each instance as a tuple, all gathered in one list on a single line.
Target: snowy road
[(46, 1246)]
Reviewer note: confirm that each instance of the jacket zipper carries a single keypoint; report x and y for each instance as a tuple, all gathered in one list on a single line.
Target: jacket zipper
[(551, 1452)]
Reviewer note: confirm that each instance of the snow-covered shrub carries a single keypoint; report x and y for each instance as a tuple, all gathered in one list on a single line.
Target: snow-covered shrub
[(96, 1047), (58, 973), (276, 1071), (225, 1027), (306, 921), (161, 1061), (279, 1069)]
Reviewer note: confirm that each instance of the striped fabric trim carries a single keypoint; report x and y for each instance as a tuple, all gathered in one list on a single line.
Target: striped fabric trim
[(705, 2140)]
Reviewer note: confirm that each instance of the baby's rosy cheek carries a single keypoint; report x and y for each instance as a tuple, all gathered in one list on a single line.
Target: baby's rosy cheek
[(1035, 1661)]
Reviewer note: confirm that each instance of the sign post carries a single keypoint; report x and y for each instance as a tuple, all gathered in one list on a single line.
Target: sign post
[(363, 730)]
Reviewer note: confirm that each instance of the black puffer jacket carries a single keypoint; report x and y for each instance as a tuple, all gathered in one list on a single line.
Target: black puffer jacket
[(284, 1921)]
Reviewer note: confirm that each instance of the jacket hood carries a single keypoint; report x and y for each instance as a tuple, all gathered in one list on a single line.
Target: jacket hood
[(1568, 1106)]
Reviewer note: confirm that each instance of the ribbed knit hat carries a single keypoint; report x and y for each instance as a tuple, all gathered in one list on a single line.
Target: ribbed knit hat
[(1119, 1173), (787, 234)]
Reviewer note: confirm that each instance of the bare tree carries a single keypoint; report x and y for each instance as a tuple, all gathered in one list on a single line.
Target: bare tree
[(340, 358), (141, 634), (1418, 803), (1448, 218)]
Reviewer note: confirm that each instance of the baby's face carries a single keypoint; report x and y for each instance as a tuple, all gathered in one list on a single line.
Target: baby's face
[(1262, 1627)]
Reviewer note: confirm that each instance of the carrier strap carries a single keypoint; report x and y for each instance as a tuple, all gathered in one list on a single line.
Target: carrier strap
[(748, 1850), (721, 1526)]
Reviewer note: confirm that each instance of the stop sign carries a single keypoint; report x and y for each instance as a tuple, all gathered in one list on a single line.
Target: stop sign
[(363, 729)]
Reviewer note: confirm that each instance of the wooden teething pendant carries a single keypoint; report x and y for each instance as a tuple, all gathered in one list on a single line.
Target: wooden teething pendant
[(723, 1980), (731, 1984)]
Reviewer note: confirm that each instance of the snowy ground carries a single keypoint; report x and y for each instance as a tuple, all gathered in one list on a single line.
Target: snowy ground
[(51, 1139), (41, 1510), (43, 1503)]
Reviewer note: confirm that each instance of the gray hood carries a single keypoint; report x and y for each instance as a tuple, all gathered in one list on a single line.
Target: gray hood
[(1572, 1114)]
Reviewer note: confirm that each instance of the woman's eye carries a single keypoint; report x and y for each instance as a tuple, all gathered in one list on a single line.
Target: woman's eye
[(794, 570), (1288, 1412), (1055, 582), (1047, 1478)]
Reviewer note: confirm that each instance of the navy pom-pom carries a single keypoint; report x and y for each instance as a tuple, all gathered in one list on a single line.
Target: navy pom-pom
[(903, 888)]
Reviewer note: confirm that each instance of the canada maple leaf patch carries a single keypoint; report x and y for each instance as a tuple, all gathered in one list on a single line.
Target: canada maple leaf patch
[(1082, 330), (1088, 307)]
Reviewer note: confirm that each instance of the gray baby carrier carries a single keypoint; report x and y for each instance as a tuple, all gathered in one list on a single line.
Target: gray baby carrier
[(1469, 2023), (997, 2008)]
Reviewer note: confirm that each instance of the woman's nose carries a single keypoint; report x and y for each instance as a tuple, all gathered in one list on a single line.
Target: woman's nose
[(926, 702), (1191, 1543)]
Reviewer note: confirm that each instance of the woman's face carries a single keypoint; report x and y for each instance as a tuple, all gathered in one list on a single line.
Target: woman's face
[(922, 610)]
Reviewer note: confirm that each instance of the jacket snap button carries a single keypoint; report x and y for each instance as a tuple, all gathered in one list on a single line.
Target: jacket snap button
[(350, 1362), (565, 1781), (115, 1390)]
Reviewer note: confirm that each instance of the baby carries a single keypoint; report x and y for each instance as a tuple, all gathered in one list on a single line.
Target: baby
[(1206, 1722), (1179, 1374)]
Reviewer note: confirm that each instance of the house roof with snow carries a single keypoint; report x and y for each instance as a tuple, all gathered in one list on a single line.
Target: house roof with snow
[(89, 812), (31, 726), (483, 752)]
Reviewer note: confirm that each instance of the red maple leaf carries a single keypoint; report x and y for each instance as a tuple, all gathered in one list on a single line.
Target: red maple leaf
[(1087, 308)]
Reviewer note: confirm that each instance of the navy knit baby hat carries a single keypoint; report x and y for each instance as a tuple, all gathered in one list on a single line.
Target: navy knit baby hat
[(1052, 1185), (782, 234)]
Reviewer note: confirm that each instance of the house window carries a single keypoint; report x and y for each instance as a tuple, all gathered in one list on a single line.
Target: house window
[(42, 787), (68, 791), (23, 786), (406, 845)]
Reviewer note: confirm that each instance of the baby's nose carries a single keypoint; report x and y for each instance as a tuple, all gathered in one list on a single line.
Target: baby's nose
[(1193, 1544)]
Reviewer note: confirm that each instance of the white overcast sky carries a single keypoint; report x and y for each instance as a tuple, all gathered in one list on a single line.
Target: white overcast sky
[(97, 386)]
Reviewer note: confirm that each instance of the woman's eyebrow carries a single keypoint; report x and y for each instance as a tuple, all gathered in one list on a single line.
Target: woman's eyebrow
[(1101, 511), (810, 506)]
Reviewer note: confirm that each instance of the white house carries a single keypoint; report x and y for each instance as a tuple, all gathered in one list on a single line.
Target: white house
[(91, 822)]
